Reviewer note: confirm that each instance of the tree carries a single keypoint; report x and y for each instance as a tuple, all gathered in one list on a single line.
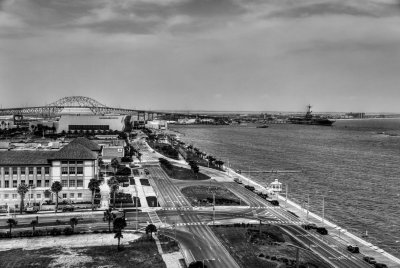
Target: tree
[(22, 189), (11, 223), (56, 187), (73, 222), (114, 164), (119, 224), (139, 156), (151, 228), (114, 186), (34, 223), (94, 185)]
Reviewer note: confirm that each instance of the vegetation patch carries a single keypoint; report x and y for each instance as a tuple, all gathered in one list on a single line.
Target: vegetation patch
[(144, 182), (168, 244), (203, 195), (252, 249), (165, 149), (152, 201), (180, 173), (141, 254)]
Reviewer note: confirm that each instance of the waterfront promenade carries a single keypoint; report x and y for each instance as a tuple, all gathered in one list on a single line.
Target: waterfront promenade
[(338, 237)]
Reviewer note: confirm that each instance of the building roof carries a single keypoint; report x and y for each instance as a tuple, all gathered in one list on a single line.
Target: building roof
[(14, 158), (74, 151), (87, 143)]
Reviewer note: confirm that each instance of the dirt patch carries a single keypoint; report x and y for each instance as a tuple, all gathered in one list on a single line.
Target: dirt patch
[(203, 196), (141, 254)]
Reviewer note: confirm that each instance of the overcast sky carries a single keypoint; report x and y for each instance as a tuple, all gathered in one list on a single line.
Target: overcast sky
[(261, 55)]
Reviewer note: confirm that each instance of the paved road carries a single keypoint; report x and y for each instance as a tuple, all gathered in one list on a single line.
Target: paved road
[(198, 240)]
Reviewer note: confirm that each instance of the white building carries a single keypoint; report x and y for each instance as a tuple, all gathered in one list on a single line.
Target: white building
[(92, 123), (157, 124)]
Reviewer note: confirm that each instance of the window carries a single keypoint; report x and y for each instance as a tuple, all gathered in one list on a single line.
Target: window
[(30, 170), (30, 182), (79, 195), (64, 162), (38, 196), (5, 196), (64, 183), (38, 183), (14, 196), (6, 170), (47, 170), (31, 196), (15, 184), (71, 183), (38, 170), (47, 183), (64, 170), (71, 195), (6, 184), (47, 194), (79, 162), (79, 183), (72, 170), (64, 195), (79, 170), (23, 170), (14, 170)]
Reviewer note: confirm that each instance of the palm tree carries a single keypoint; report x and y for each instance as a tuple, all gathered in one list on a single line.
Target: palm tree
[(34, 223), (11, 223), (114, 186), (56, 187), (73, 222), (119, 224), (114, 164), (22, 189), (94, 185), (151, 228)]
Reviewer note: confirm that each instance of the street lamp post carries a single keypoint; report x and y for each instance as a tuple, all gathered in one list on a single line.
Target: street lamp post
[(213, 208)]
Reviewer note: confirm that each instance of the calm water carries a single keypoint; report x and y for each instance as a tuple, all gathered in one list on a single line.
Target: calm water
[(353, 164)]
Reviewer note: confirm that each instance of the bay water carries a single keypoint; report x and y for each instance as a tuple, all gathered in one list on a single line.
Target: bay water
[(355, 165)]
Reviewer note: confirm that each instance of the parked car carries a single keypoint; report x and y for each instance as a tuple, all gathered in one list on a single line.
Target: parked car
[(310, 226), (146, 171), (370, 260), (322, 230), (353, 249), (380, 265)]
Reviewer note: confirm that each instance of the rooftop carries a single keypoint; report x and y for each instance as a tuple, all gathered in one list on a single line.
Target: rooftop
[(86, 143)]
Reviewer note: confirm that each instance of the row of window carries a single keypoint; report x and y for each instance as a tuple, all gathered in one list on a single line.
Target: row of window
[(71, 170), (39, 196), (39, 183), (72, 183), (14, 170), (71, 163), (88, 127)]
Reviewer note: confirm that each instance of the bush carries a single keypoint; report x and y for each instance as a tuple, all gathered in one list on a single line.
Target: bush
[(55, 232), (26, 233), (124, 171), (40, 233), (68, 231)]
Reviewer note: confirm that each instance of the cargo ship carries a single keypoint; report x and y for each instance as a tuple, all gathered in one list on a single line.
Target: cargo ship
[(309, 119)]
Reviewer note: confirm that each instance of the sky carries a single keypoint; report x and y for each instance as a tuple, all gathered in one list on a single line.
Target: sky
[(217, 55)]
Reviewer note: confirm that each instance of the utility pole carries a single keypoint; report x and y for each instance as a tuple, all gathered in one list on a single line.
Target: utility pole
[(213, 208), (136, 203), (323, 210), (287, 189), (297, 258)]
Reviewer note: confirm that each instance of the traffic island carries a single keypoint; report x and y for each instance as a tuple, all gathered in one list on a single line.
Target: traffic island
[(180, 173), (204, 195), (252, 247)]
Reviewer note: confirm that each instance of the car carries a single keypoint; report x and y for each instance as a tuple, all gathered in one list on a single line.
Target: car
[(322, 230), (309, 226), (380, 265), (370, 260), (353, 249)]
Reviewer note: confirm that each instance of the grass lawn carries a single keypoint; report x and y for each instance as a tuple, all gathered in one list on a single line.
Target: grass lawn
[(180, 173), (246, 245), (138, 254), (202, 195)]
